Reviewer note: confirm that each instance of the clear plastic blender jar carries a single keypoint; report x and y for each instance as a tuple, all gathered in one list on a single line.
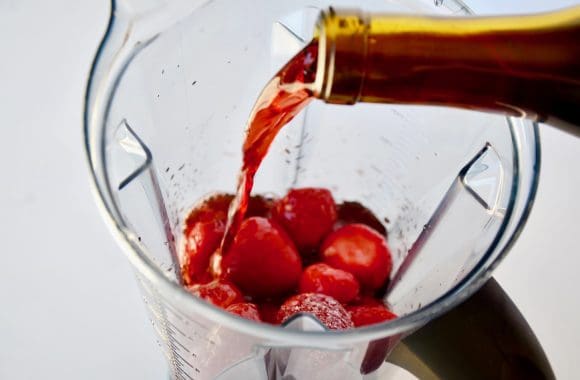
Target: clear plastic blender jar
[(168, 99)]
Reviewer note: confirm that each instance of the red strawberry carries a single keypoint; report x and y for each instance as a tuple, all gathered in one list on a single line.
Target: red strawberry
[(325, 308), (360, 250), (366, 300), (262, 260), (204, 228), (307, 215), (214, 208), (259, 206), (369, 315), (245, 310), (354, 212), (322, 278), (218, 292), (269, 312), (201, 241)]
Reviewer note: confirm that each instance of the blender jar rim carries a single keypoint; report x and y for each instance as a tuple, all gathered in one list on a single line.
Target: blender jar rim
[(175, 294)]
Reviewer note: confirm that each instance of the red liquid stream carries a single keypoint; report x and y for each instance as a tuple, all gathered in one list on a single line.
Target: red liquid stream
[(282, 99)]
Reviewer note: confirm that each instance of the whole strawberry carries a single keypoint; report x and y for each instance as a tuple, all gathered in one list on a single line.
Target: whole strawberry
[(360, 250), (322, 278), (204, 229), (211, 209), (245, 310), (369, 315), (269, 312), (325, 308), (201, 241), (217, 292), (307, 215), (354, 212), (262, 260)]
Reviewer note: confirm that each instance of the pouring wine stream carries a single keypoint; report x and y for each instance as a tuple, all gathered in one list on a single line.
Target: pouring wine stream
[(281, 100)]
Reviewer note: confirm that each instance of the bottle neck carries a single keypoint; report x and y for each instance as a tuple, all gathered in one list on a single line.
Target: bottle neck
[(520, 66)]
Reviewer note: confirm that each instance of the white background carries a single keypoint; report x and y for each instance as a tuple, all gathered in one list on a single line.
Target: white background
[(69, 306)]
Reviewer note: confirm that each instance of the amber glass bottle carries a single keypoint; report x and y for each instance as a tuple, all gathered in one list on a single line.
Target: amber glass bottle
[(525, 66)]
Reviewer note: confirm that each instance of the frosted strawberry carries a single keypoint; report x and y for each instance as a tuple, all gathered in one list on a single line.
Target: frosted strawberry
[(325, 308)]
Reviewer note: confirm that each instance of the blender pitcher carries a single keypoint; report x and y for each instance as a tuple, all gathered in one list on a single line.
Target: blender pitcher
[(167, 102)]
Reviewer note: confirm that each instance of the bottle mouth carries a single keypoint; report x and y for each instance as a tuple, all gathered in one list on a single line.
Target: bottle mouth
[(342, 53)]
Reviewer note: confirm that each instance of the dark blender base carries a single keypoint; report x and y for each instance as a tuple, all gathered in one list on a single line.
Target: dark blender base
[(484, 338)]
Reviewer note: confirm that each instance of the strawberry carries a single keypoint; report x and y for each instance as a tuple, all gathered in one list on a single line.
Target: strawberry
[(269, 312), (325, 308), (262, 260), (360, 250), (201, 241), (354, 212), (259, 206), (369, 315), (322, 278), (307, 215), (204, 229), (245, 310), (214, 208), (366, 300), (218, 292)]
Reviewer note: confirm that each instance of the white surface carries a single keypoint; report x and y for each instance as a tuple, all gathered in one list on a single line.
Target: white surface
[(69, 306)]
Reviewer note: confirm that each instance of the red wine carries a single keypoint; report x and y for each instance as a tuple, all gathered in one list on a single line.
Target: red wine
[(282, 99)]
